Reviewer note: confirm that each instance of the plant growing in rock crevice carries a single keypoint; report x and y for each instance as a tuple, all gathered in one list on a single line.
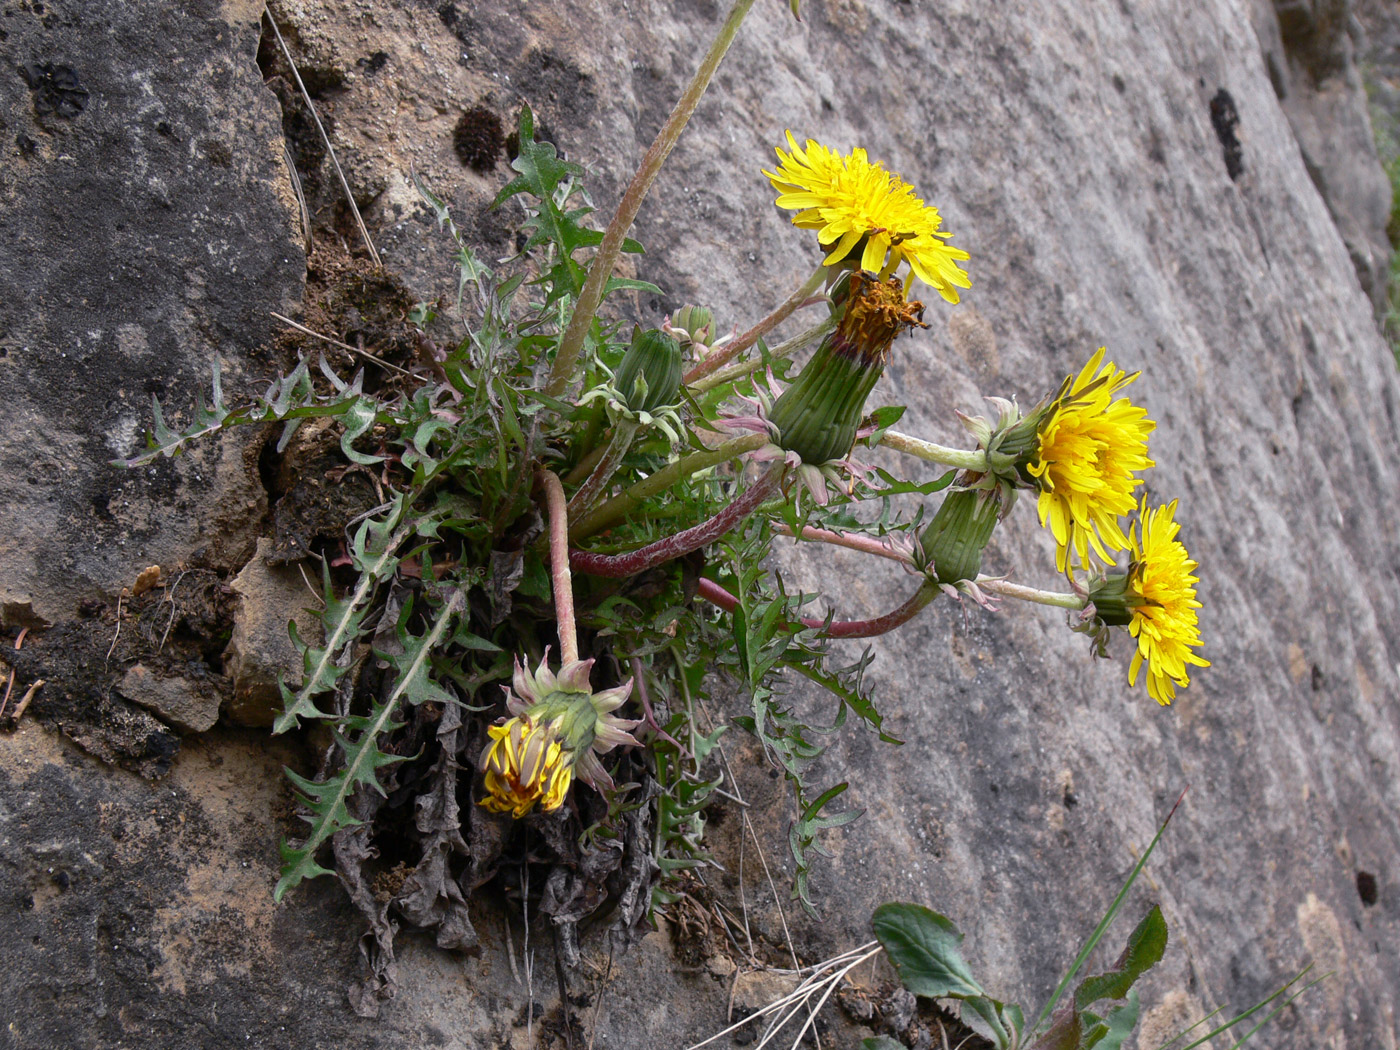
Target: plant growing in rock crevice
[(552, 475)]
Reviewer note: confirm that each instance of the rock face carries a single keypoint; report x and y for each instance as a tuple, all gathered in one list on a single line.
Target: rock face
[(147, 232), (1140, 176)]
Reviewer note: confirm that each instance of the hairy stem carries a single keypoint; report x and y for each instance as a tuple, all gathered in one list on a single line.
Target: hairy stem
[(732, 350), (631, 203), (952, 457), (854, 541), (611, 459), (669, 548), (620, 506), (733, 373), (1030, 594), (927, 592), (559, 565)]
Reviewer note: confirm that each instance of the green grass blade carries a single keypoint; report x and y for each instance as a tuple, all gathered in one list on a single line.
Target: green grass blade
[(1103, 925)]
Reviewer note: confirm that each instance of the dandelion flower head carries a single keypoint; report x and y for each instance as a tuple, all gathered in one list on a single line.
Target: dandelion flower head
[(854, 203), (1163, 584), (1091, 444)]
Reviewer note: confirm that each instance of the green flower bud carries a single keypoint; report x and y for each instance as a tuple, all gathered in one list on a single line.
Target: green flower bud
[(650, 374), (953, 542), (817, 417), (697, 322)]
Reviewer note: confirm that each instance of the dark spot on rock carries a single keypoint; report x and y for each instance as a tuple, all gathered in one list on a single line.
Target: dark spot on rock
[(37, 7), (1071, 799), (217, 153), (1366, 888), (1224, 117), (55, 89), (62, 879), (164, 128), (27, 146), (479, 138), (372, 64), (1316, 678), (995, 789), (827, 107), (1119, 85), (448, 14), (91, 607)]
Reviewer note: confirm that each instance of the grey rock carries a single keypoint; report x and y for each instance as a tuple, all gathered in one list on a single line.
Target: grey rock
[(1310, 54), (188, 705), (145, 234), (270, 598), (1071, 149)]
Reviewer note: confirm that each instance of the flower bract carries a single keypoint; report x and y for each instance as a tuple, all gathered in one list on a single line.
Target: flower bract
[(1162, 593), (866, 215), (1090, 446)]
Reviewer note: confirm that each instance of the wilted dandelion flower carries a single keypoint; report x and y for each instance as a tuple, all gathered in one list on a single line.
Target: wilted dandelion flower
[(866, 215), (525, 764), (1089, 449), (558, 728), (1162, 595)]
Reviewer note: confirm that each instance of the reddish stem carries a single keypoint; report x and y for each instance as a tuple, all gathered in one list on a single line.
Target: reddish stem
[(619, 566), (713, 592), (559, 566)]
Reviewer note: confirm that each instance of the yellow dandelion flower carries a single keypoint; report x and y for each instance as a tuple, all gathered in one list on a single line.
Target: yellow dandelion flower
[(1162, 591), (856, 206), (525, 763), (1089, 450)]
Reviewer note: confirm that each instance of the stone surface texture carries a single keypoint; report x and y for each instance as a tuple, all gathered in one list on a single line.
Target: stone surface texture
[(1073, 152)]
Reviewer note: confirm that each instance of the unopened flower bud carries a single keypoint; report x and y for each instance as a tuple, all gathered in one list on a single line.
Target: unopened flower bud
[(650, 374), (953, 541), (696, 322)]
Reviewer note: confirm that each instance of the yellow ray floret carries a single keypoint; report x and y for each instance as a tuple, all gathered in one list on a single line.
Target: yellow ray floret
[(1162, 583), (525, 763), (1091, 447), (854, 203)]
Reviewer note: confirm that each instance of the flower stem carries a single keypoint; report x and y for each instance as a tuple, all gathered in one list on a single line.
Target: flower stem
[(952, 457), (854, 541), (732, 350), (733, 373), (927, 592), (607, 466), (611, 245), (1029, 594), (620, 566), (559, 565), (620, 506)]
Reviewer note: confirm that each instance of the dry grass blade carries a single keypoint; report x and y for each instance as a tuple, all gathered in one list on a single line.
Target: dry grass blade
[(306, 95), (800, 997), (336, 342)]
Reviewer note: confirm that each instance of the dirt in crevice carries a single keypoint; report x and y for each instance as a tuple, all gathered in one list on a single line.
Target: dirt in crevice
[(177, 630)]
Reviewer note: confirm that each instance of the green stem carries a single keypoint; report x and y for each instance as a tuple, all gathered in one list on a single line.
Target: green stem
[(952, 457), (1002, 589), (607, 466), (611, 246), (620, 506), (559, 566), (733, 373), (732, 350)]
